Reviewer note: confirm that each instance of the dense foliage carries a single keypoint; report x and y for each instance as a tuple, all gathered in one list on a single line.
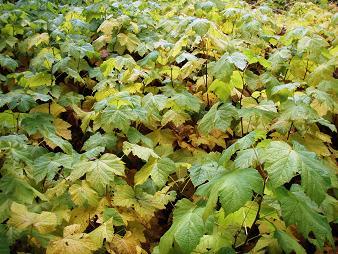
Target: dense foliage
[(168, 126)]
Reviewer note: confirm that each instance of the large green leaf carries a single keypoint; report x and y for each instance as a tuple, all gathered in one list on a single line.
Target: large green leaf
[(99, 172), (158, 169), (186, 230), (233, 189), (8, 62), (282, 162), (299, 210), (243, 143), (199, 174), (219, 117), (288, 243)]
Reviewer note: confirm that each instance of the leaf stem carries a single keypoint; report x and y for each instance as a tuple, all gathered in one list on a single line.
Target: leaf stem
[(306, 69), (206, 71), (240, 229), (247, 130), (171, 76), (289, 132), (241, 97), (17, 123), (258, 211)]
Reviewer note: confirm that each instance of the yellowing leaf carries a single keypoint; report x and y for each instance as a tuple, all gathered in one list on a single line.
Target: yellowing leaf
[(37, 39), (177, 118), (53, 109), (124, 245), (72, 242), (34, 80), (83, 194), (159, 170), (108, 26), (62, 128), (143, 203), (100, 172), (140, 151), (129, 40), (103, 232), (21, 218)]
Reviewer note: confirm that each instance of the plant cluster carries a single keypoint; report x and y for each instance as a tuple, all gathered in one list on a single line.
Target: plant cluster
[(167, 127)]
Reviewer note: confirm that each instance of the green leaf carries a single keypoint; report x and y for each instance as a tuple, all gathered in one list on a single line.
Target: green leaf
[(47, 165), (184, 101), (60, 142), (299, 210), (112, 213), (8, 62), (99, 172), (239, 60), (158, 169), (241, 144), (38, 122), (200, 26), (315, 174), (199, 174), (186, 230), (134, 136), (282, 162), (283, 91), (233, 189), (223, 68), (4, 244), (288, 243), (219, 117), (247, 158), (96, 140), (19, 189), (113, 117), (17, 99)]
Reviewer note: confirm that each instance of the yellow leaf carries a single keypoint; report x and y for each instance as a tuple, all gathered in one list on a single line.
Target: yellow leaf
[(57, 190), (62, 128), (108, 26), (72, 229), (85, 117), (54, 109), (137, 229), (81, 216), (21, 218), (123, 245), (38, 39), (104, 93), (103, 232), (83, 194), (72, 242)]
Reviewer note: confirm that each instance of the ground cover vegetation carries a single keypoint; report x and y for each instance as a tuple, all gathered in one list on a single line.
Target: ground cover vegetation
[(163, 127)]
